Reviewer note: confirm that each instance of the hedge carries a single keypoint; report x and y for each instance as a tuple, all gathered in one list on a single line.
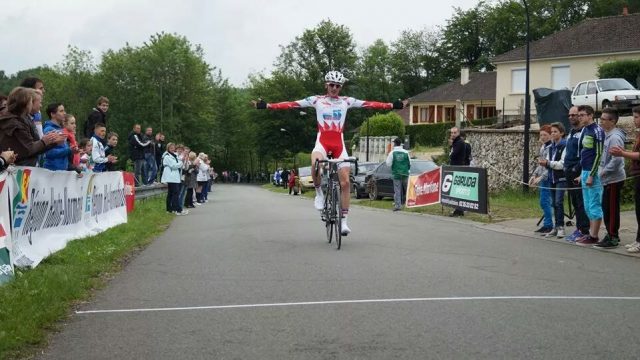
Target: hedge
[(389, 124), (429, 134), (626, 69)]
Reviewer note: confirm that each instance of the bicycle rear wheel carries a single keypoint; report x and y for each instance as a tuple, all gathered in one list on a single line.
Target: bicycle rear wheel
[(337, 216)]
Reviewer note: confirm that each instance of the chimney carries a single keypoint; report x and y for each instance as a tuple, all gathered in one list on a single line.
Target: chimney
[(464, 75), (625, 10)]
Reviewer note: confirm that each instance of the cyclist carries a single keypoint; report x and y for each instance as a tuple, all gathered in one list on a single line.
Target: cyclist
[(331, 112)]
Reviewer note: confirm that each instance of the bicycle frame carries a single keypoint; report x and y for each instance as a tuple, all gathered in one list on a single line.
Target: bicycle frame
[(332, 212)]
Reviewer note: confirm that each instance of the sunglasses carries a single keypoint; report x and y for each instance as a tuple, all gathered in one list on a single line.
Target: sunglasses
[(337, 86)]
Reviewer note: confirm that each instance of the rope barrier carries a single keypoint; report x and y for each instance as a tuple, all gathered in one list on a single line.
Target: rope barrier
[(487, 165)]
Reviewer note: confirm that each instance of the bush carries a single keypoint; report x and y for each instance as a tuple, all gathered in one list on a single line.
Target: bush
[(389, 124), (626, 69), (429, 134)]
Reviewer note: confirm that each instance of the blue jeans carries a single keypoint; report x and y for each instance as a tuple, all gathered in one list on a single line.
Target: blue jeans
[(182, 194), (558, 201), (399, 192), (151, 168), (545, 203)]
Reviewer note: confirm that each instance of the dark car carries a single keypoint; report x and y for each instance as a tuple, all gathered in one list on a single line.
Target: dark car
[(358, 182), (380, 181)]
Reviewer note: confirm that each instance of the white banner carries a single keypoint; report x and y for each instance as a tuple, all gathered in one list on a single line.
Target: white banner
[(51, 208), (6, 267)]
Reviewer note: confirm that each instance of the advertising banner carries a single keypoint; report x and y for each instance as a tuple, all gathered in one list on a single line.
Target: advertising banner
[(6, 266), (50, 208), (423, 189), (129, 190), (465, 187)]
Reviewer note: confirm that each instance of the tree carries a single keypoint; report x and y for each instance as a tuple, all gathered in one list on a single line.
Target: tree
[(463, 39), (415, 62), (326, 47), (389, 124)]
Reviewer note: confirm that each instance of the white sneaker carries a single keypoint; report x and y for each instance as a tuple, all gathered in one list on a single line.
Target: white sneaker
[(319, 202), (345, 228), (552, 233), (634, 249), (630, 245), (181, 213), (560, 233)]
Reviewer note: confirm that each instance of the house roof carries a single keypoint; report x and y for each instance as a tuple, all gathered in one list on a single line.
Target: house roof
[(611, 34), (481, 86)]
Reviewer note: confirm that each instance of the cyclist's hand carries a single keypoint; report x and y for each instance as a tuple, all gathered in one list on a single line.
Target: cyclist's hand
[(398, 104), (260, 104)]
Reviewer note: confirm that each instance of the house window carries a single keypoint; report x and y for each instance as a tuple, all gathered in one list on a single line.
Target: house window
[(486, 112), (423, 114), (560, 77), (450, 113), (517, 81)]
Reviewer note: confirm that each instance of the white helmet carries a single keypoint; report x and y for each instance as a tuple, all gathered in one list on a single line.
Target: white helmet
[(335, 77)]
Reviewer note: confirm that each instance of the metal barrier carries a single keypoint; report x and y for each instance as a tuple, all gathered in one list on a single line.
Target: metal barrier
[(144, 192)]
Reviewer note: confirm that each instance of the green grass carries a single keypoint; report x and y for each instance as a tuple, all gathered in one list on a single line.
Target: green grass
[(39, 298)]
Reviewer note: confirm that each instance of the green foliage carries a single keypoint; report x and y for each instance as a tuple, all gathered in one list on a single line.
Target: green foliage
[(429, 134), (39, 298), (389, 124), (626, 69)]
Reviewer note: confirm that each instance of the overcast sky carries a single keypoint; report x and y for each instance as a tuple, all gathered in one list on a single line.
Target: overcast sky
[(238, 36)]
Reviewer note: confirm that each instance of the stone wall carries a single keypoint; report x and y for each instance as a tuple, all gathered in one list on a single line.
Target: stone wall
[(501, 151)]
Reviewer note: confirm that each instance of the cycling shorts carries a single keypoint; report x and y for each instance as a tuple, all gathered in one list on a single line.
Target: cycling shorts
[(331, 141)]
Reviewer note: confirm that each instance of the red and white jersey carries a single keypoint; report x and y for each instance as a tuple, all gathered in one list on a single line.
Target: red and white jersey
[(331, 112)]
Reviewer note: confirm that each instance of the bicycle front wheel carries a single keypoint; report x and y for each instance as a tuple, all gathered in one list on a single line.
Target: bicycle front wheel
[(337, 216), (328, 221)]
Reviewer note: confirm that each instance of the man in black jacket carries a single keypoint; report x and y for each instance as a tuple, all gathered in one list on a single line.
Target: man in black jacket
[(457, 157), (136, 151), (97, 116)]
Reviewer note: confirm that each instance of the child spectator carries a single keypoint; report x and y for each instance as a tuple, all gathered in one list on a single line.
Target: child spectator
[(540, 177), (69, 129), (112, 142)]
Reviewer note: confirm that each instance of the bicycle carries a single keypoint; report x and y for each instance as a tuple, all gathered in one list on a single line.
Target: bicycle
[(331, 213)]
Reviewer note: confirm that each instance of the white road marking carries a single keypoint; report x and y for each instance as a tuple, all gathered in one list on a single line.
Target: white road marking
[(366, 301)]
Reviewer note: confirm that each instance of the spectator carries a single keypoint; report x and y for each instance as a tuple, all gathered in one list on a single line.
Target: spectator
[(572, 171), (203, 171), (467, 149), (7, 158), (98, 155), (183, 155), (612, 176), (159, 150), (284, 176), (634, 156), (171, 177), (557, 179), (69, 129), (112, 142), (191, 180), (150, 157), (17, 132), (98, 115), (591, 145), (540, 178), (456, 157), (36, 115), (86, 147), (57, 158), (136, 151), (293, 178), (3, 102), (398, 161)]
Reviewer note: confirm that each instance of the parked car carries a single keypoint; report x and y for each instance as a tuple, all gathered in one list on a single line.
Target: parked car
[(604, 93), (358, 182), (380, 180), (306, 181)]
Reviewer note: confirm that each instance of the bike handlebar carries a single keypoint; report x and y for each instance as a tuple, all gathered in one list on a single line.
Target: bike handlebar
[(352, 160)]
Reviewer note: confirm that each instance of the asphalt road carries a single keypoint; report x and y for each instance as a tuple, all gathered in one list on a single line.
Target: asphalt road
[(456, 286)]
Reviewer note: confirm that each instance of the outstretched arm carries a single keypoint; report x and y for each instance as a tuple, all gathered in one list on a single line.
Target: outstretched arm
[(355, 103), (286, 105)]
